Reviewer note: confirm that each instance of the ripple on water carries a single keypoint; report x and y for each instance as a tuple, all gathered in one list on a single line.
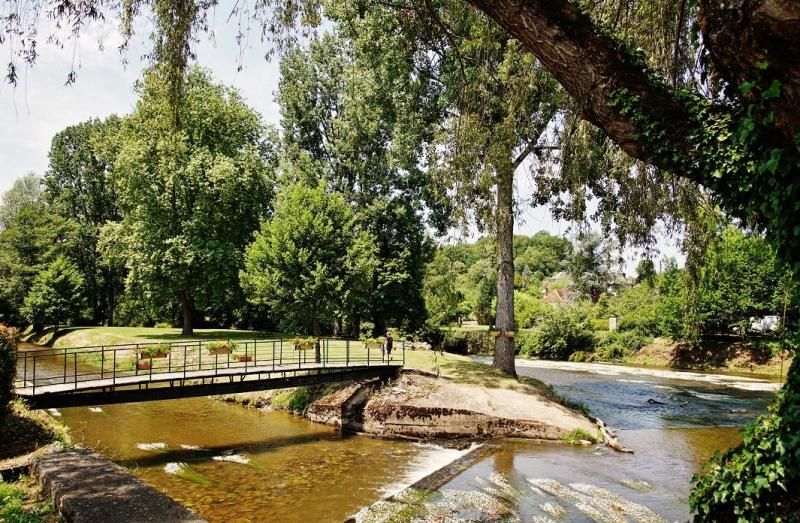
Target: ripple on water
[(152, 447)]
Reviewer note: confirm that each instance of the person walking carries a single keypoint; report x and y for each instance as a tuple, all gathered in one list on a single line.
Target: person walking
[(389, 342)]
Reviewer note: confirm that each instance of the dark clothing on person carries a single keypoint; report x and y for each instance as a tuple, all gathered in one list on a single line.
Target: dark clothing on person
[(389, 342)]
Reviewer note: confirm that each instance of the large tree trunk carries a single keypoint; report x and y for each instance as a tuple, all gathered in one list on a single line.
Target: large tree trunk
[(592, 66), (504, 231), (187, 310)]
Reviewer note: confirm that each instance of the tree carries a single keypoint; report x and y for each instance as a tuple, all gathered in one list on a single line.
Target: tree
[(443, 299), (362, 137), (80, 185), (539, 256), (25, 191), (489, 124), (33, 239), (56, 297), (589, 266), (306, 261), (190, 198), (646, 272)]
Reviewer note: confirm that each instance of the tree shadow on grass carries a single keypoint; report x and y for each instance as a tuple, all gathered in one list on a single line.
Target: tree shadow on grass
[(474, 373), (23, 431)]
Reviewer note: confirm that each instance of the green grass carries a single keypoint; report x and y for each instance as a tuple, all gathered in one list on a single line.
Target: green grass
[(90, 336), (577, 435), (23, 502)]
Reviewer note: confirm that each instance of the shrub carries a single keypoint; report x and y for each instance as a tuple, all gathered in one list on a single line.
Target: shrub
[(578, 435), (523, 343), (214, 346), (528, 311), (566, 331), (8, 366), (163, 325), (300, 400), (757, 481), (619, 345), (468, 342), (600, 325), (151, 350), (582, 356)]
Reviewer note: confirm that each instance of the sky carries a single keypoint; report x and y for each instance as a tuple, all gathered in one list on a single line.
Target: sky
[(42, 105)]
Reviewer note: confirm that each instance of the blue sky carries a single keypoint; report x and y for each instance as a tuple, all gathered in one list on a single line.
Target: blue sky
[(41, 105)]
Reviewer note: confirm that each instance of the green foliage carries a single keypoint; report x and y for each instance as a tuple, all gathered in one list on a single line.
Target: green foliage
[(467, 342), (443, 300), (295, 400), (8, 367), (80, 186), (529, 311), (16, 504), (150, 351), (646, 272), (163, 325), (214, 347), (740, 278), (303, 343), (589, 266), (576, 436), (34, 238), (308, 261), (347, 127), (619, 345), (567, 330), (599, 324), (757, 481), (56, 297), (637, 308), (26, 191), (190, 198)]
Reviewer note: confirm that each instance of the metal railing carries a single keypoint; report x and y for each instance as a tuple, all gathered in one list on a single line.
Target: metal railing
[(108, 364)]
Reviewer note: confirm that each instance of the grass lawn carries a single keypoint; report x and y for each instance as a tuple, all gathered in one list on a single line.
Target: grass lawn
[(89, 336)]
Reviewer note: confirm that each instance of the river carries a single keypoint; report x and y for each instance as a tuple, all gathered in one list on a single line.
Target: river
[(232, 463)]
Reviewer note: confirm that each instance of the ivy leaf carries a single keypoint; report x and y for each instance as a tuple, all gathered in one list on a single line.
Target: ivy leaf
[(774, 91), (746, 87), (774, 159)]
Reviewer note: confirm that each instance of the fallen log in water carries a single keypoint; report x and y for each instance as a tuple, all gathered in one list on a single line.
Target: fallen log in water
[(610, 439)]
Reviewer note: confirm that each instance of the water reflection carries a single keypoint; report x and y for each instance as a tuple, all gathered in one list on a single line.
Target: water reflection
[(269, 467), (675, 422)]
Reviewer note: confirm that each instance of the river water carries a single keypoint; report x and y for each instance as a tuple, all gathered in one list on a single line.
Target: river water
[(231, 463), (696, 415)]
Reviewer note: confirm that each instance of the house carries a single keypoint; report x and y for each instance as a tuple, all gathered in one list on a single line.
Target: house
[(556, 296)]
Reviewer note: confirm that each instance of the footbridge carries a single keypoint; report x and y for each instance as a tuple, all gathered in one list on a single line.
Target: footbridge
[(98, 375)]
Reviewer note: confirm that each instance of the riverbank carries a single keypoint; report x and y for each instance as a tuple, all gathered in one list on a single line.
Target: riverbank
[(438, 396), (24, 436), (724, 354)]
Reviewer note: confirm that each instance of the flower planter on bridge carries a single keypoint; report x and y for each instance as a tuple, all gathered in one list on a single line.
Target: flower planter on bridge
[(220, 348), (153, 356), (242, 358), (154, 351), (144, 365)]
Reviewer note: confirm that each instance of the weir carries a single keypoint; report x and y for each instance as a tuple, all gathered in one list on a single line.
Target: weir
[(98, 375)]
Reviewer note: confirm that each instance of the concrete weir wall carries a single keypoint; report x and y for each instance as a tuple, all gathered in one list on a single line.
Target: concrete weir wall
[(87, 488), (437, 422)]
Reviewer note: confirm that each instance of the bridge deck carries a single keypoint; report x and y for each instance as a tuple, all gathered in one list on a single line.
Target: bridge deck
[(250, 372), (126, 373)]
